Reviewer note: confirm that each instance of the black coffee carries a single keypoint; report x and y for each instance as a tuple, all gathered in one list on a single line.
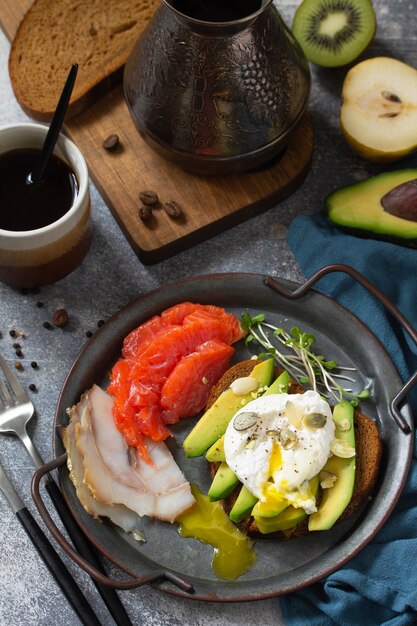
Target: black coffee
[(27, 207), (217, 10)]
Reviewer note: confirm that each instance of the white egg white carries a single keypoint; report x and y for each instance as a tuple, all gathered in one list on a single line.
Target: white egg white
[(249, 452)]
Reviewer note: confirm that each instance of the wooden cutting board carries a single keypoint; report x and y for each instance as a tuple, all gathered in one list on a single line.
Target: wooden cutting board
[(210, 204)]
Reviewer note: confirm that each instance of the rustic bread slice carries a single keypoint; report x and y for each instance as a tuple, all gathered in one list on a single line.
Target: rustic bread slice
[(54, 34), (368, 456)]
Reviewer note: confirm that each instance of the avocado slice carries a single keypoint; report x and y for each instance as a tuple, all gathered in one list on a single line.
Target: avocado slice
[(243, 505), (335, 499), (216, 451), (280, 384), (262, 510), (359, 209), (223, 483), (289, 517), (213, 423)]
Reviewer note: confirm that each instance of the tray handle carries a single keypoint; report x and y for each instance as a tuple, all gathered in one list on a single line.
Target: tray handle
[(63, 543), (401, 396)]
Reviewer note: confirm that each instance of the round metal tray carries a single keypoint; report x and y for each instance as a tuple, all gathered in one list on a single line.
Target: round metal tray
[(281, 567)]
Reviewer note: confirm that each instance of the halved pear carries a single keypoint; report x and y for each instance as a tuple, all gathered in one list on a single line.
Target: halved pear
[(379, 109)]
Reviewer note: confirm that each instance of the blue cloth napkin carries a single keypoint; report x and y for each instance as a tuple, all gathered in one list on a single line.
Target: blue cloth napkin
[(379, 586)]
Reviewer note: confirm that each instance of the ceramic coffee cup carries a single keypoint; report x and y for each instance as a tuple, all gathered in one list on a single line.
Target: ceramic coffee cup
[(29, 258)]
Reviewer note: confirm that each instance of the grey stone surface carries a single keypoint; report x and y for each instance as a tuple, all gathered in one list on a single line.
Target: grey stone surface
[(109, 278)]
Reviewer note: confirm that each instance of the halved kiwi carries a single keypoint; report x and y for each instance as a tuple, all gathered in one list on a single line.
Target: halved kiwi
[(334, 32)]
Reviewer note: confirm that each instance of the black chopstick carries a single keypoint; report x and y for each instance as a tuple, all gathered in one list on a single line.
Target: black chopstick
[(51, 558), (84, 547), (57, 568)]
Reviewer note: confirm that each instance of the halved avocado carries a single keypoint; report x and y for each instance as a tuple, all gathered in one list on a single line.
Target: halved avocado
[(359, 208)]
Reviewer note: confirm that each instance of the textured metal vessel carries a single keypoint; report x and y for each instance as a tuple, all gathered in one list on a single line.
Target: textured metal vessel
[(217, 97)]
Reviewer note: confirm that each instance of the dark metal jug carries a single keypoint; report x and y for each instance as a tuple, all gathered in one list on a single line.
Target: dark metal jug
[(217, 97)]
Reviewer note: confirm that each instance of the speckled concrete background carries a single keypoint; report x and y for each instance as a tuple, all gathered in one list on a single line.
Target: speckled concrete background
[(110, 277)]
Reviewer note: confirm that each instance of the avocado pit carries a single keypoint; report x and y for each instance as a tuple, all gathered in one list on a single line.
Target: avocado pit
[(401, 201)]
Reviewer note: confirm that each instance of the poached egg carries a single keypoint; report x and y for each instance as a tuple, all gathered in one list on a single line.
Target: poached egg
[(276, 444)]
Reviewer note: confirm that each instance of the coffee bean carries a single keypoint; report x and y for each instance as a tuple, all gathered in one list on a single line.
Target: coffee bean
[(111, 142), (173, 209), (60, 318), (145, 213), (148, 197)]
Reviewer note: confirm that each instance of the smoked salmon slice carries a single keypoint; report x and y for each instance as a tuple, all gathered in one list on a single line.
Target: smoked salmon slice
[(187, 388), (141, 336), (165, 361)]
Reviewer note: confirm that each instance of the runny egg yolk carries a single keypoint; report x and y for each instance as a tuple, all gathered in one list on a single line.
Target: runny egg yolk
[(278, 497), (273, 502)]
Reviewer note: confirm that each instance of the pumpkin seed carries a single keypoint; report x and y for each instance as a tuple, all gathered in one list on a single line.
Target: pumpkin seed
[(342, 449), (327, 479), (294, 413), (244, 385), (344, 425), (314, 420), (287, 438), (272, 432), (245, 420)]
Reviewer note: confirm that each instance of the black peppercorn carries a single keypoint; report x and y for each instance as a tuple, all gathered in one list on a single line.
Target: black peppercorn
[(47, 325), (19, 353), (32, 387), (39, 304), (88, 333), (34, 365), (12, 333), (100, 323)]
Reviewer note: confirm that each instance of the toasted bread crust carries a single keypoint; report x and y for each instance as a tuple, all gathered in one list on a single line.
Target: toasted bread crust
[(368, 455)]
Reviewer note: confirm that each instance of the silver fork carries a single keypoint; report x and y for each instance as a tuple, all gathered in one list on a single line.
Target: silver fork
[(15, 412)]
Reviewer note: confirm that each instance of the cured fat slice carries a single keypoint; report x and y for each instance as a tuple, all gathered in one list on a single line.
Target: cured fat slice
[(160, 491), (187, 388)]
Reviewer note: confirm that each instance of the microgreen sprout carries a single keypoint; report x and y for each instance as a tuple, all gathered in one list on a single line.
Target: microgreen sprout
[(298, 358)]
